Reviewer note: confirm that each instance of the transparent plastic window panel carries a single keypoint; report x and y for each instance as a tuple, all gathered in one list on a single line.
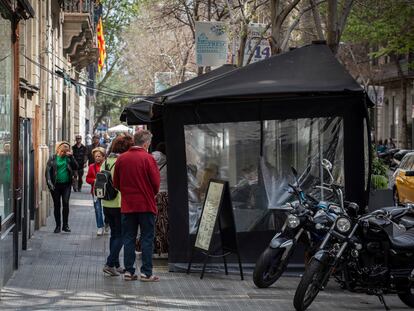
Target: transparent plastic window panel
[(255, 157)]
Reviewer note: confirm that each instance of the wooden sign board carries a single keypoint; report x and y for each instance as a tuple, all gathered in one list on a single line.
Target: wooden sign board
[(209, 215), (217, 212)]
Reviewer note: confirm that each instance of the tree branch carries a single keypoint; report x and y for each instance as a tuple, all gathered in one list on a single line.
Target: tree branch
[(285, 42)]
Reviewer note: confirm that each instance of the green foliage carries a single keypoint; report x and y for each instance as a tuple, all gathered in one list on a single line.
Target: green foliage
[(117, 15), (379, 182), (379, 178), (386, 24), (378, 167)]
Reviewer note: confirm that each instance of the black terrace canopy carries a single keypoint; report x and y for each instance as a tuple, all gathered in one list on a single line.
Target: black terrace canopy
[(310, 69), (139, 112)]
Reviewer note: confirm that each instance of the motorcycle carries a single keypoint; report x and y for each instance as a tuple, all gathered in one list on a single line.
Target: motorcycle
[(308, 220), (365, 254)]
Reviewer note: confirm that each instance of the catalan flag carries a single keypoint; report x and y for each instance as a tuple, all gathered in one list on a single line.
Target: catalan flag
[(101, 44)]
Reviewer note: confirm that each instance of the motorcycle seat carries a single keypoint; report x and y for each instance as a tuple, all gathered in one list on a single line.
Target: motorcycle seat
[(404, 241), (395, 211), (407, 222)]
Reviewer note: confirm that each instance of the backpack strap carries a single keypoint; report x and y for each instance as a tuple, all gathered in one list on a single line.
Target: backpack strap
[(109, 168)]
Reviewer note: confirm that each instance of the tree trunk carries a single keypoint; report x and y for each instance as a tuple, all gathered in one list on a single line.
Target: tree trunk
[(403, 118), (404, 121), (306, 23), (317, 20), (275, 36), (242, 46), (332, 26)]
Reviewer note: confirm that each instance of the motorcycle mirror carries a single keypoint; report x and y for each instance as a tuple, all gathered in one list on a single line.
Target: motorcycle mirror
[(327, 164), (353, 209)]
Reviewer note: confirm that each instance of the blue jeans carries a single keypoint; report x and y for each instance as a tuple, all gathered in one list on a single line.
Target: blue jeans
[(113, 216), (98, 212), (130, 223)]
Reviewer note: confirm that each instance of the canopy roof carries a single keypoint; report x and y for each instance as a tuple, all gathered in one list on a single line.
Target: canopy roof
[(139, 111), (120, 128), (309, 69)]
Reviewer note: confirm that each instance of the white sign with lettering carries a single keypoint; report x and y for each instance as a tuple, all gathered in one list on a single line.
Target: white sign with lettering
[(208, 218), (211, 43)]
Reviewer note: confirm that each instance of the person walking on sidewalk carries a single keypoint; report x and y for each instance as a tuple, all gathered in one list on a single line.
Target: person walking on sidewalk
[(59, 173), (112, 208), (99, 156), (137, 177), (90, 148), (161, 223), (80, 153)]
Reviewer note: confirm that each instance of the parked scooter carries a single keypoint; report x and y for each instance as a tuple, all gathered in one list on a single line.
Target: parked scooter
[(365, 255), (308, 219)]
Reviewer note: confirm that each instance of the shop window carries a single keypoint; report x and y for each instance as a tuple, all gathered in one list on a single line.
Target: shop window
[(255, 157), (5, 117)]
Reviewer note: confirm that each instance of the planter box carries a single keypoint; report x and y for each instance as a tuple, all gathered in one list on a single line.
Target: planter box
[(380, 198)]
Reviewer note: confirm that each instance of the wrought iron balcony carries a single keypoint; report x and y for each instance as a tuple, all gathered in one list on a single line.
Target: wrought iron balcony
[(78, 6), (79, 35), (389, 71)]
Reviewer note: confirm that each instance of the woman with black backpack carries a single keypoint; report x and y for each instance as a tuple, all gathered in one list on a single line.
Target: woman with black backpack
[(112, 208)]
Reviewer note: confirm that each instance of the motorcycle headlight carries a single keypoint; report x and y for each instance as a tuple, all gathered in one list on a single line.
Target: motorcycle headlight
[(343, 224), (293, 221)]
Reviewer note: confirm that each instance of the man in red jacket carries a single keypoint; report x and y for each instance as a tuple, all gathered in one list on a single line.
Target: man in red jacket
[(137, 177)]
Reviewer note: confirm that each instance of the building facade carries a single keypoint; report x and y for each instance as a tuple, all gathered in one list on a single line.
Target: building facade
[(397, 78), (47, 51)]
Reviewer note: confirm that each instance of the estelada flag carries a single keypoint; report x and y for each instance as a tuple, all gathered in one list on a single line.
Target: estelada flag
[(101, 44)]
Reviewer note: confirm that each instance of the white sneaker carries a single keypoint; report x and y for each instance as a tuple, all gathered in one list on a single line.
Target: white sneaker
[(106, 229), (100, 231)]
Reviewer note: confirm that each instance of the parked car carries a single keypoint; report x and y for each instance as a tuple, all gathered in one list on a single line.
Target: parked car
[(403, 180), (398, 156), (388, 155)]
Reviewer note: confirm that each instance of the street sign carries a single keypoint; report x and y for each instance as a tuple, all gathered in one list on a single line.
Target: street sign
[(256, 45), (211, 43)]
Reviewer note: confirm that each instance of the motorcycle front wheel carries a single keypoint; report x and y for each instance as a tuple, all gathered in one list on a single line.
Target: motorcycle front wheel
[(407, 297), (269, 267), (310, 285)]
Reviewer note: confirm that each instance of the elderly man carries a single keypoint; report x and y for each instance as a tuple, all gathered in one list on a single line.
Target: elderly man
[(137, 177), (80, 153)]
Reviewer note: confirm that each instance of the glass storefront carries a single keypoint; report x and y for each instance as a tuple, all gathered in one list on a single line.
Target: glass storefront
[(6, 78), (255, 157)]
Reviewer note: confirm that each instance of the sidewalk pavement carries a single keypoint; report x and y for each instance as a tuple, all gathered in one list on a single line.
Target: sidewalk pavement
[(64, 272)]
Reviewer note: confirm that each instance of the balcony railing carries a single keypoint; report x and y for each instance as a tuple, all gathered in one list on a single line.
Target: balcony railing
[(79, 33), (78, 6), (86, 7), (390, 71)]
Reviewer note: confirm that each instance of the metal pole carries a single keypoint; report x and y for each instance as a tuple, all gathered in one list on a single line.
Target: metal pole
[(320, 156), (15, 139)]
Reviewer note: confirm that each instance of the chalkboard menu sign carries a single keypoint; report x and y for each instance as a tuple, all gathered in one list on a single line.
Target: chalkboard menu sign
[(217, 213), (209, 215)]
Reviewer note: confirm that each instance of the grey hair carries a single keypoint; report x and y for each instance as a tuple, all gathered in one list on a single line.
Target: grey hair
[(142, 137)]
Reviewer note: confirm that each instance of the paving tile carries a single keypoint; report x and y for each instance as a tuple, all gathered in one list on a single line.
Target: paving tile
[(64, 272)]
